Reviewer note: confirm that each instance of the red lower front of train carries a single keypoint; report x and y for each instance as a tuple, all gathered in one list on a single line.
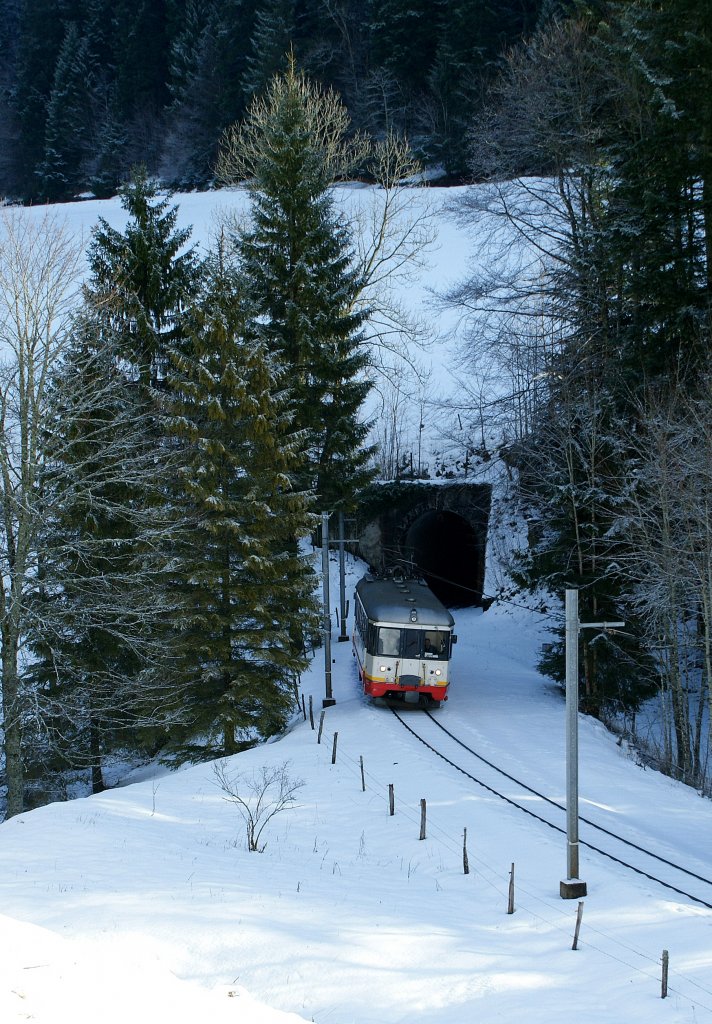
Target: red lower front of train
[(395, 688)]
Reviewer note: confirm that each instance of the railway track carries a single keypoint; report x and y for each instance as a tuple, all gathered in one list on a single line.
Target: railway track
[(451, 749)]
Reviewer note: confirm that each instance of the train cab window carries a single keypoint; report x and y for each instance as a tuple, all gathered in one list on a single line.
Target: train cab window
[(435, 644), (412, 643), (388, 641)]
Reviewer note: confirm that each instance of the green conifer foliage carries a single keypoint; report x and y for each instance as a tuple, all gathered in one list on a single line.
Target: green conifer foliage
[(297, 258), (100, 604), (41, 31), (271, 42), (660, 155), (67, 132), (246, 593), (145, 276)]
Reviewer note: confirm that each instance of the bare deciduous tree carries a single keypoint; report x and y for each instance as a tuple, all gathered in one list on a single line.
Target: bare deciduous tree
[(39, 264), (666, 516), (258, 797)]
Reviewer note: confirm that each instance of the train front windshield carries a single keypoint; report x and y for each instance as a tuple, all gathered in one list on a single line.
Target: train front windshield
[(433, 644)]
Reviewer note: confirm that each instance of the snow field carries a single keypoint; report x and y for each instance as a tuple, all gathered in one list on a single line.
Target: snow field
[(347, 916)]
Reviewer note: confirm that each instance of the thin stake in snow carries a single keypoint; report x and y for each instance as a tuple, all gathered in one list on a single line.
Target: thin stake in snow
[(333, 749), (579, 915), (311, 711), (321, 726), (363, 777), (391, 800), (666, 965), (422, 819), (304, 708), (510, 904), (465, 860)]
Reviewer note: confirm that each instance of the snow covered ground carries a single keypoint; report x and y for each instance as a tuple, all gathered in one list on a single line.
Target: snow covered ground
[(144, 904)]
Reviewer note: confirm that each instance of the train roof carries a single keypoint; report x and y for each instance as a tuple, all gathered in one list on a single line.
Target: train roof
[(392, 600)]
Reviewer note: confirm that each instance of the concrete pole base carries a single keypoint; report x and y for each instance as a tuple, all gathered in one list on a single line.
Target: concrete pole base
[(572, 889)]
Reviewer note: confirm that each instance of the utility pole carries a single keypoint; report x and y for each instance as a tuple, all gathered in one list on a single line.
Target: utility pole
[(329, 699), (572, 888), (343, 611)]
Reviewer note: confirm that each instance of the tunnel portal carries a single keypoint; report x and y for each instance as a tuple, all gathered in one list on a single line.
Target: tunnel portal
[(444, 547), (440, 529)]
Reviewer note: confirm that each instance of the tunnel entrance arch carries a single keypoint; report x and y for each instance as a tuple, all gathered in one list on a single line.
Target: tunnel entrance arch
[(443, 545), (438, 528)]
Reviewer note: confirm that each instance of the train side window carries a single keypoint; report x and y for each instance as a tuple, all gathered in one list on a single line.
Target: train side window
[(388, 641)]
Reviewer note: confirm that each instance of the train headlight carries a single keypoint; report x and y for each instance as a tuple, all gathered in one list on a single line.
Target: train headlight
[(438, 672), (383, 668)]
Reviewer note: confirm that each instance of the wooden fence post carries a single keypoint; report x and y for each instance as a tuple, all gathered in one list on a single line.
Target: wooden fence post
[(422, 819), (333, 751), (510, 904), (465, 860), (304, 708), (579, 915), (363, 777), (311, 711), (321, 726), (666, 965), (391, 799)]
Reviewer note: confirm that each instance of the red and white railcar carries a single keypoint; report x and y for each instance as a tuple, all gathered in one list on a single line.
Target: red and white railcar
[(403, 637)]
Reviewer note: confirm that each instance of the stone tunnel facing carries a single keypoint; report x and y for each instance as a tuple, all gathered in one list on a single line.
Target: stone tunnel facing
[(446, 549)]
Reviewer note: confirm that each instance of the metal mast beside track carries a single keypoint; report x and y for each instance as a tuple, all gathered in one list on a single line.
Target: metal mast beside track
[(572, 888)]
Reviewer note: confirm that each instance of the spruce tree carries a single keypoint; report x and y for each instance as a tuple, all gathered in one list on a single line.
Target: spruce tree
[(271, 42), (246, 595), (660, 155), (297, 259), (100, 604), (145, 276), (141, 281), (68, 128), (41, 31)]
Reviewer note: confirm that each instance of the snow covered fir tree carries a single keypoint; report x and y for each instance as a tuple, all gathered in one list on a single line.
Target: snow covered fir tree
[(245, 595), (298, 263)]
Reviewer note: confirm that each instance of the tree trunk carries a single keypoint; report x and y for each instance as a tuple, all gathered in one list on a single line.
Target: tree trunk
[(14, 768), (97, 778)]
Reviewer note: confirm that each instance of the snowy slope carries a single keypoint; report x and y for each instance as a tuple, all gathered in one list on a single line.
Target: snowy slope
[(144, 904)]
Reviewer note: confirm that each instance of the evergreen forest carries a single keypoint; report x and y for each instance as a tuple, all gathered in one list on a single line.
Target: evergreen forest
[(90, 88)]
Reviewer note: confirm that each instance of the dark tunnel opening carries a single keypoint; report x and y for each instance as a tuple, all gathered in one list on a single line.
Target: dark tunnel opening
[(446, 549)]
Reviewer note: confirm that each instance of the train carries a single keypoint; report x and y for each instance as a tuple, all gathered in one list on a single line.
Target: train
[(402, 640)]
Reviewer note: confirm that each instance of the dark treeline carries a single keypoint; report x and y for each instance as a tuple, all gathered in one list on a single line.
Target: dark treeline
[(90, 88)]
